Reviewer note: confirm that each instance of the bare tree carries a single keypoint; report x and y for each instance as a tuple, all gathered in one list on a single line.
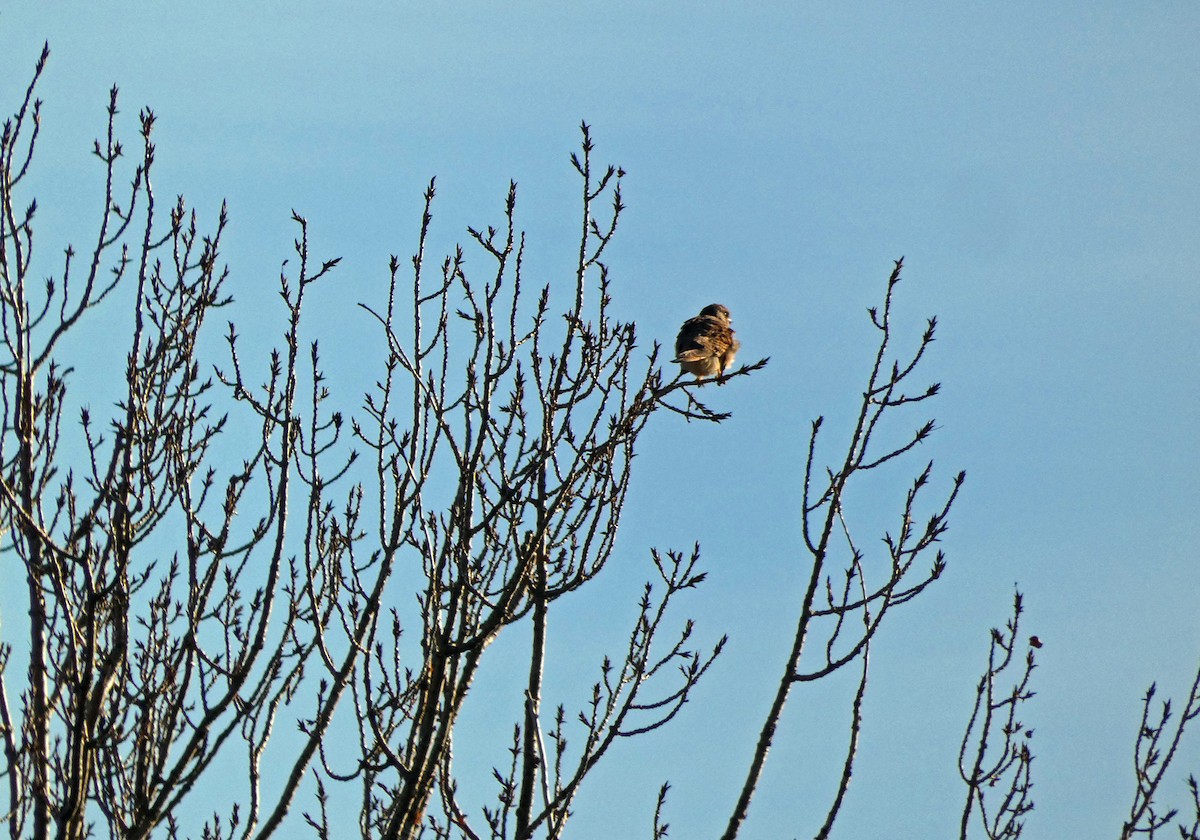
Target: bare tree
[(140, 671), (1154, 750), (184, 603), (996, 752), (534, 438), (216, 582), (842, 616)]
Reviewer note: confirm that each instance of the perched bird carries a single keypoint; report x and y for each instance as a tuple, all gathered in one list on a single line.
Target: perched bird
[(705, 345)]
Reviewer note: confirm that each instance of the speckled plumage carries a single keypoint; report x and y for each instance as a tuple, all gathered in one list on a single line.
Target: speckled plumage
[(706, 345)]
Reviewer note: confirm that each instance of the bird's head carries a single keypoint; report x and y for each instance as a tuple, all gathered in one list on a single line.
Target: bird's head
[(717, 310)]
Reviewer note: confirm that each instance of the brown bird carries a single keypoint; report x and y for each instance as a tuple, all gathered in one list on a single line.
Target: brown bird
[(705, 345)]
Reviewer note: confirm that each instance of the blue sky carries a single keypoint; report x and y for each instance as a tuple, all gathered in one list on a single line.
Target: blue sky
[(1035, 164)]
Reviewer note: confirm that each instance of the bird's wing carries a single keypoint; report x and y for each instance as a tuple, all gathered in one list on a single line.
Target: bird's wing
[(702, 337)]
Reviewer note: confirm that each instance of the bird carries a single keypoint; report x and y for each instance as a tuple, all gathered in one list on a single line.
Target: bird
[(705, 345)]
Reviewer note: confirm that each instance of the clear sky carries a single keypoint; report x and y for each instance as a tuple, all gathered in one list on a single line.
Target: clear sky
[(1035, 163)]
